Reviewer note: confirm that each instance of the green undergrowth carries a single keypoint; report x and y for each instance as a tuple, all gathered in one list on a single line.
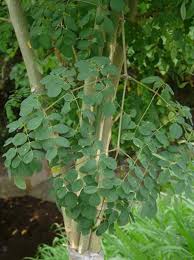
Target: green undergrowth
[(170, 235)]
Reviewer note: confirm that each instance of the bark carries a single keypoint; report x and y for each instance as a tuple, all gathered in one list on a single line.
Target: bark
[(133, 10), (19, 23), (74, 255)]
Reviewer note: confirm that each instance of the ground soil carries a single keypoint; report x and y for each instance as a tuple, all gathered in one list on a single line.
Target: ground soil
[(25, 223)]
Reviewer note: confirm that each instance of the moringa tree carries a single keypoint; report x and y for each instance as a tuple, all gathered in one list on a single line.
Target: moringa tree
[(97, 177)]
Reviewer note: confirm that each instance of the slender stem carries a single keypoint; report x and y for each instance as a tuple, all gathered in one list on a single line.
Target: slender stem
[(142, 117), (5, 20), (124, 87), (59, 99)]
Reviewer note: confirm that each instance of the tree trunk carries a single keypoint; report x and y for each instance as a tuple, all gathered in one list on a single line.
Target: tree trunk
[(20, 26), (19, 22)]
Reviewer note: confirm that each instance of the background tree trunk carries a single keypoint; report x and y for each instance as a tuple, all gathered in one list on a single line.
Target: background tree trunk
[(20, 26)]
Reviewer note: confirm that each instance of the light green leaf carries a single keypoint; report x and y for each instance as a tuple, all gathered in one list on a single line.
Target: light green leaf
[(16, 162), (34, 123), (19, 139), (51, 154), (62, 141), (28, 157), (151, 80), (61, 128), (20, 182), (22, 150), (66, 108), (10, 154), (13, 126), (183, 10)]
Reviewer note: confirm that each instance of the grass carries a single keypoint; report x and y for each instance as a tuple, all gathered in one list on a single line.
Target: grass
[(168, 236)]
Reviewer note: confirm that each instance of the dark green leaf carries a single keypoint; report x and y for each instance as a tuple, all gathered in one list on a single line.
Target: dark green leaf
[(117, 5), (102, 228), (70, 200), (94, 200), (77, 185), (90, 189)]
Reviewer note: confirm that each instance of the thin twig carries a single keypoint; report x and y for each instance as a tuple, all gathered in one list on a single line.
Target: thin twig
[(124, 87), (5, 20)]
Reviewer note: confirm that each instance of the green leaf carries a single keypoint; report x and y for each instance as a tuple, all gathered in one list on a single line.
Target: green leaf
[(83, 44), (108, 25), (126, 188), (90, 189), (123, 217), (137, 142), (94, 200), (61, 128), (89, 212), (51, 154), (108, 109), (89, 167), (112, 196), (162, 138), (62, 141), (146, 128), (53, 84), (149, 209), (66, 108), (175, 131), (69, 97), (20, 182), (109, 162), (71, 175), (19, 139), (42, 133), (61, 193), (183, 10), (34, 123), (28, 105), (102, 228), (77, 185), (117, 5), (8, 141), (70, 200), (16, 162), (151, 80), (28, 157), (22, 150), (11, 153), (13, 126)]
